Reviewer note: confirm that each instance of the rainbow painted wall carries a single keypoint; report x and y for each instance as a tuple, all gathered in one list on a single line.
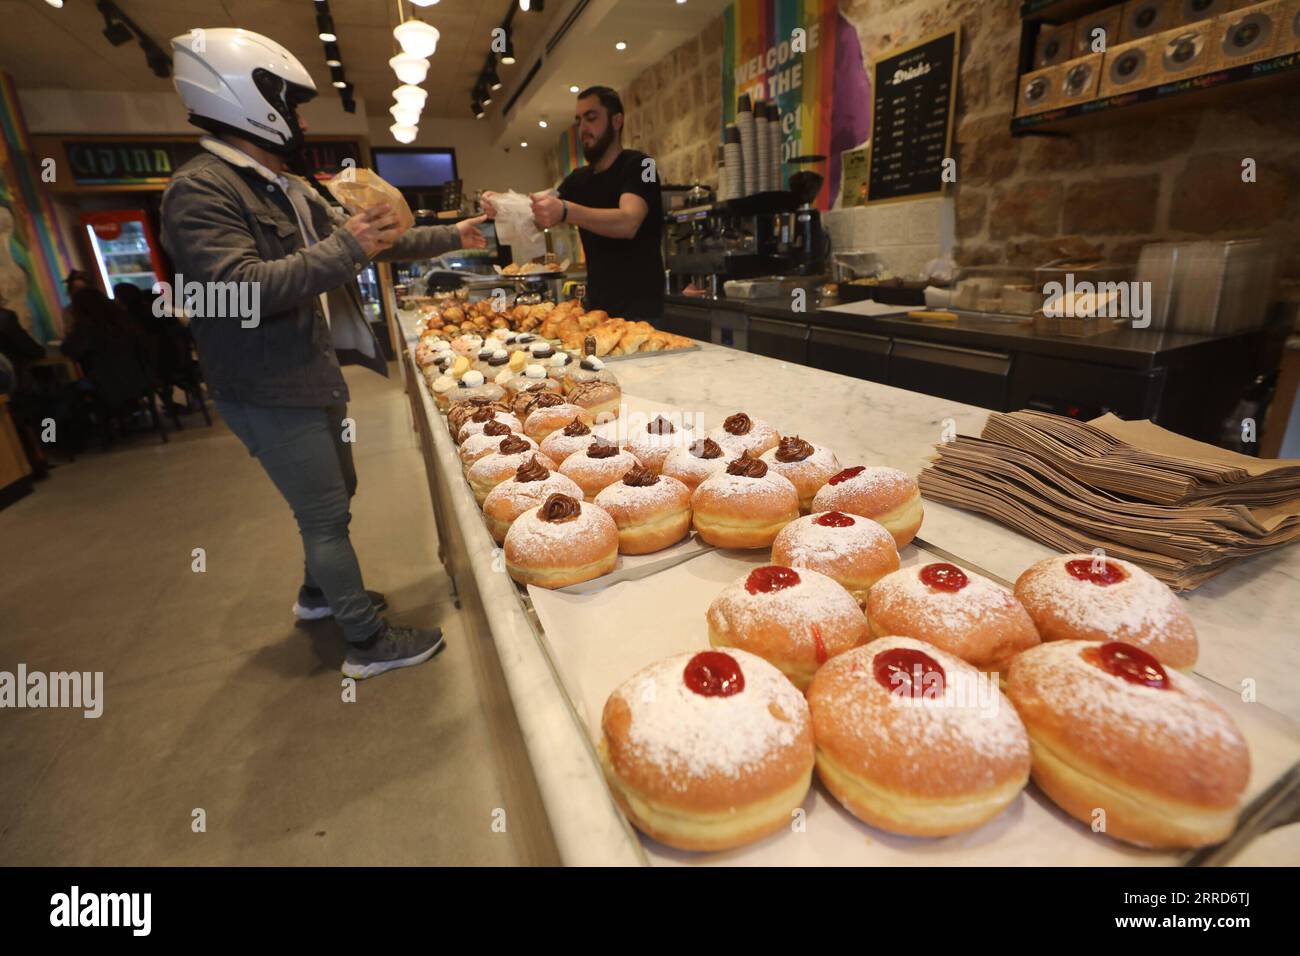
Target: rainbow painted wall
[(33, 243), (762, 56)]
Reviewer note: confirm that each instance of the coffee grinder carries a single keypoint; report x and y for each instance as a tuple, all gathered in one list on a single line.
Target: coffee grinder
[(809, 244)]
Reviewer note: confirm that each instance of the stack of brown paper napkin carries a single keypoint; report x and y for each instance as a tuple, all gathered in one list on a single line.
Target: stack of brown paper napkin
[(1182, 509)]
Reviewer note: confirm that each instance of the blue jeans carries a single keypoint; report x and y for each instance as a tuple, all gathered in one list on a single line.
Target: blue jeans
[(303, 452)]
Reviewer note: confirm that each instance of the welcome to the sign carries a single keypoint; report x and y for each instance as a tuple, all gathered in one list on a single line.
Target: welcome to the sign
[(803, 56)]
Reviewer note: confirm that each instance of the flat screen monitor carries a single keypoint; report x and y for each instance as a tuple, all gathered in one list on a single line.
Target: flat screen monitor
[(415, 168)]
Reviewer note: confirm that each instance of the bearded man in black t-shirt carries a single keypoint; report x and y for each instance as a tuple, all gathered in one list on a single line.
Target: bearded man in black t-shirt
[(615, 202)]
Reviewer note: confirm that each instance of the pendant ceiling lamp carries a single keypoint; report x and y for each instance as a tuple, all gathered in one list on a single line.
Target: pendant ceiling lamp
[(404, 115), (411, 96), (410, 69), (403, 132), (416, 38)]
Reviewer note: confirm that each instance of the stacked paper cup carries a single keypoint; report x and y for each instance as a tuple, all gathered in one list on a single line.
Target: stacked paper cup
[(774, 138), (735, 166), (748, 153), (762, 145)]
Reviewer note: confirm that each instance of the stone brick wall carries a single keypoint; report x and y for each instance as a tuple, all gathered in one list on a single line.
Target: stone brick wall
[(674, 111), (1020, 201), (1107, 190)]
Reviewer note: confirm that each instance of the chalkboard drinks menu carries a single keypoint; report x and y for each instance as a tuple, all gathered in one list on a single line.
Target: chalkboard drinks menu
[(911, 119)]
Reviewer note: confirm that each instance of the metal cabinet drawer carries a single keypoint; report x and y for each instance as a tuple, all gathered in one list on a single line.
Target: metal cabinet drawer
[(1084, 390), (787, 341), (849, 353), (684, 320), (729, 328), (962, 375)]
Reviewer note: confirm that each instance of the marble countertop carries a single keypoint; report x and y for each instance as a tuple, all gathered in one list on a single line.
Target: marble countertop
[(1246, 618)]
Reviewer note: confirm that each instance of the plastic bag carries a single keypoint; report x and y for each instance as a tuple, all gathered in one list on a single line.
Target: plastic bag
[(516, 228), (359, 189)]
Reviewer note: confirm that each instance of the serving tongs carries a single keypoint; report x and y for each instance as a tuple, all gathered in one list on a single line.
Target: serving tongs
[(1277, 806)]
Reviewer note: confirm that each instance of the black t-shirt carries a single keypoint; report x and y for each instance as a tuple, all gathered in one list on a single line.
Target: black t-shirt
[(625, 277)]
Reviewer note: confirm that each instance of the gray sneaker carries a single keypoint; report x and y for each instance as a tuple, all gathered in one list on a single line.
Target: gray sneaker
[(394, 647)]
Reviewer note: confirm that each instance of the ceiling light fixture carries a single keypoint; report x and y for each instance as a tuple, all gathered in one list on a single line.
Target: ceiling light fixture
[(536, 6), (56, 4), (416, 38), (620, 45), (336, 77), (409, 69), (491, 78), (523, 144), (404, 115), (542, 123), (477, 109), (412, 96), (508, 54), (333, 57), (574, 89), (404, 133), (115, 31), (424, 3), (325, 27)]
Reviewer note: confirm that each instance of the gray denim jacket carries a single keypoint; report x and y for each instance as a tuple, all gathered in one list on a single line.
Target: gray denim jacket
[(222, 223)]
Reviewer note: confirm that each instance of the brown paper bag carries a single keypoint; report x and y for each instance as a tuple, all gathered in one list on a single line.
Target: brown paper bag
[(359, 189)]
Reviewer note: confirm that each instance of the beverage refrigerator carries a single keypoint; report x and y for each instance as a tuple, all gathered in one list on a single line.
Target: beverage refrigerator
[(124, 247)]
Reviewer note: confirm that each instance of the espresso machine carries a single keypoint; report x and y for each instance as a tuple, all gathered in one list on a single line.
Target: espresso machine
[(807, 244), (742, 238)]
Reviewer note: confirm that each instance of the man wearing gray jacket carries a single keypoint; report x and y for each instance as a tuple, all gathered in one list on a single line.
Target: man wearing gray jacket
[(237, 218)]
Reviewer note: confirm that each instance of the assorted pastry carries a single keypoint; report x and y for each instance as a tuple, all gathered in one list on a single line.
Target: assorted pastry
[(1088, 597), (707, 751), (563, 442), (691, 464), (548, 412), (907, 744), (884, 678), (560, 542), (465, 325), (652, 511), (1128, 746), (740, 433), (794, 618), (886, 495), (532, 484), (487, 441), (744, 505), (601, 464), (808, 466), (493, 468), (653, 443), (851, 550), (958, 611)]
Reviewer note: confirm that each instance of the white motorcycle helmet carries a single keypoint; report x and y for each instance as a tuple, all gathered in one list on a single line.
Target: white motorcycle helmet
[(238, 81)]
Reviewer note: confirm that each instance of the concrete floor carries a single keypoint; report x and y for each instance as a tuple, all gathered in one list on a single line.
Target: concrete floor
[(213, 697)]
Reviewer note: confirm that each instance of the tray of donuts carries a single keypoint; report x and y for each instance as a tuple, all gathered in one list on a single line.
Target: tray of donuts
[(621, 471), (841, 695), (511, 369)]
